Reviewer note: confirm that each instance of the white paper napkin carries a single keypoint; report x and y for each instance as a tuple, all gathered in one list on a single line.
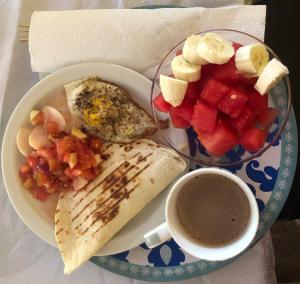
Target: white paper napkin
[(137, 39)]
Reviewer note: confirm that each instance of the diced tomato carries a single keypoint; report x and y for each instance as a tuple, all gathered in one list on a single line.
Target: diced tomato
[(214, 91), (178, 52), (221, 140), (25, 168), (76, 172), (32, 161), (232, 103), (95, 143), (68, 172), (267, 119), (39, 193), (38, 119), (51, 127), (181, 115), (160, 104), (66, 157), (88, 174), (204, 117), (42, 179), (245, 118), (54, 165), (47, 152), (257, 102), (252, 139)]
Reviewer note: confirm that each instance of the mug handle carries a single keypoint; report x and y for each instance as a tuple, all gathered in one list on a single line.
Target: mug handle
[(157, 236)]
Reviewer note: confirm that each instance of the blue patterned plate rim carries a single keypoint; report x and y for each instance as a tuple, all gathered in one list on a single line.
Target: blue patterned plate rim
[(288, 161)]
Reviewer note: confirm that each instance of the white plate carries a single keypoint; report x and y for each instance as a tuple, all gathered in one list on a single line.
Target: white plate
[(39, 216)]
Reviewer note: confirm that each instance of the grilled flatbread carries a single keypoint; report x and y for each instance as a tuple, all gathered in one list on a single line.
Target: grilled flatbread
[(132, 175)]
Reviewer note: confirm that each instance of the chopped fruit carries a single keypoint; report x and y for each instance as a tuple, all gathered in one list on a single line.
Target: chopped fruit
[(192, 92), (51, 127), (245, 118), (221, 140), (185, 70), (173, 89), (73, 160), (214, 91), (250, 60), (182, 115), (233, 102), (177, 121), (236, 46), (267, 119), (160, 104), (204, 117), (252, 139), (226, 72), (178, 52), (78, 133), (36, 117), (270, 76), (257, 102)]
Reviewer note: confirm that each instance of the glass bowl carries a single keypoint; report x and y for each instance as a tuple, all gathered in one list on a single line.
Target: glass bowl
[(279, 98)]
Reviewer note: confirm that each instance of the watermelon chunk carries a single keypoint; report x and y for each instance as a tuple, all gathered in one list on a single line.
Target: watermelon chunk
[(257, 102), (267, 119), (225, 72), (245, 118), (178, 52), (192, 92), (204, 117), (236, 46), (160, 104), (214, 91), (181, 115), (221, 140), (253, 138), (233, 102)]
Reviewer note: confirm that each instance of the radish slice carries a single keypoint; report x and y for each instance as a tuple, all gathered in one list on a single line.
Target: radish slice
[(79, 183), (38, 137), (23, 141), (53, 115)]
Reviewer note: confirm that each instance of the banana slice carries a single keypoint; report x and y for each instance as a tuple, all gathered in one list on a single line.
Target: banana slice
[(189, 50), (184, 70), (270, 76), (251, 59), (173, 90), (214, 49)]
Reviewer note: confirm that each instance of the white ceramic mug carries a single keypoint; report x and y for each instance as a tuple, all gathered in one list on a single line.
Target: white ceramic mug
[(172, 227)]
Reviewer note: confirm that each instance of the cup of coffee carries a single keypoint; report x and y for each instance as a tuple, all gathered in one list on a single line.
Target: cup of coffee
[(211, 214)]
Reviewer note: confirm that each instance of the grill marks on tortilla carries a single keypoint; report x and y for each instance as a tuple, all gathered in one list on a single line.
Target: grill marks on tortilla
[(109, 212), (120, 183)]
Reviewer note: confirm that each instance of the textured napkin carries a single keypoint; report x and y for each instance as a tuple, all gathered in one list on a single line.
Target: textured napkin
[(137, 39)]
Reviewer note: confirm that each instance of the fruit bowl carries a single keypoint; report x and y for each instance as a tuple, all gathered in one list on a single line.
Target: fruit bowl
[(279, 98)]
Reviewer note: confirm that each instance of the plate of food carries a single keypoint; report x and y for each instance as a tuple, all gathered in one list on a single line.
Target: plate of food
[(88, 160)]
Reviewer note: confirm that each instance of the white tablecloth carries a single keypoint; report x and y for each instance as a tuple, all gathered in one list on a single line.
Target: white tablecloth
[(33, 261)]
